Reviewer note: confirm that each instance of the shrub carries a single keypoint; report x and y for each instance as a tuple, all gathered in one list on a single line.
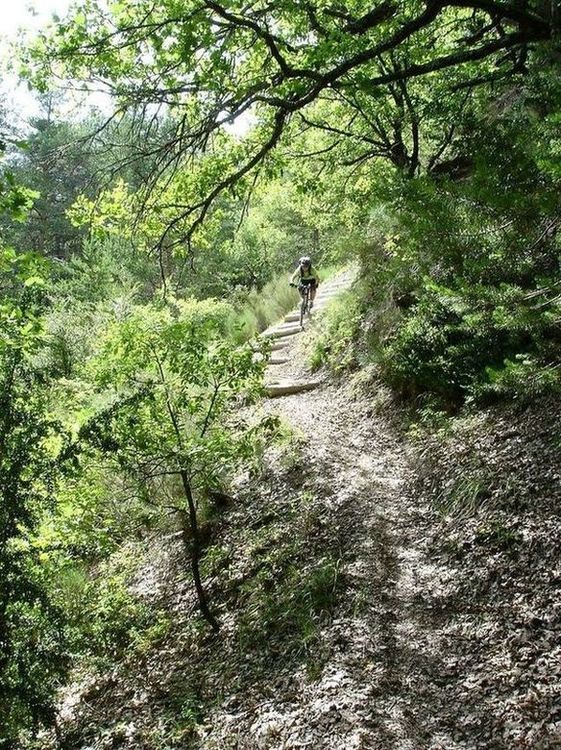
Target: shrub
[(472, 342), (335, 344)]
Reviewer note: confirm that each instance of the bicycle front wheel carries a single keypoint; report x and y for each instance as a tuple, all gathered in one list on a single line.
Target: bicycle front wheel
[(303, 308)]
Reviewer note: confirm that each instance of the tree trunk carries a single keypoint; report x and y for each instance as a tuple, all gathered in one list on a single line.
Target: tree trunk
[(192, 544)]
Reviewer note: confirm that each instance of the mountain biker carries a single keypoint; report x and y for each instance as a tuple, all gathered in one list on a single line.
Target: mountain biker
[(306, 275)]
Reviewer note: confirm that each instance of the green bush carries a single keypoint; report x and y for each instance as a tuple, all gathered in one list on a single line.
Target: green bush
[(335, 344), (107, 619), (472, 342), (523, 378), (460, 273)]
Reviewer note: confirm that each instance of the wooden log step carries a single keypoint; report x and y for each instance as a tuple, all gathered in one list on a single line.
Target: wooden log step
[(277, 333), (292, 317), (278, 360), (283, 342), (280, 344), (290, 387)]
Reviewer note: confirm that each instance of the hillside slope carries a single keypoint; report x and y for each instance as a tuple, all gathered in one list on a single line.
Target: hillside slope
[(360, 608)]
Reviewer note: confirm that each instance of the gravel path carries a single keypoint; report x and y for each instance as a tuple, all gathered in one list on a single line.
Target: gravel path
[(384, 684)]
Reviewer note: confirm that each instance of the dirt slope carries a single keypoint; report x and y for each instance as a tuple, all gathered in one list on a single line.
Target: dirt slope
[(417, 657), (413, 653), (384, 684)]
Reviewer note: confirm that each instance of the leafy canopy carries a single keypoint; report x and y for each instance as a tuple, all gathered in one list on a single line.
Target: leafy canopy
[(205, 64)]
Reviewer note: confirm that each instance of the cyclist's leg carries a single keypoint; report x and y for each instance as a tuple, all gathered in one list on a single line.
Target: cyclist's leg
[(313, 290)]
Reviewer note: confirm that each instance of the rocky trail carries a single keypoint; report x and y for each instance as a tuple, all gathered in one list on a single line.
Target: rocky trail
[(392, 650), (287, 371)]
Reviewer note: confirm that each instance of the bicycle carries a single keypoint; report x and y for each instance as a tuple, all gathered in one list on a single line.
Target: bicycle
[(305, 306)]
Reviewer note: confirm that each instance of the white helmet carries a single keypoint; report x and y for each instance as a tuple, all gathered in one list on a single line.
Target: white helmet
[(305, 260)]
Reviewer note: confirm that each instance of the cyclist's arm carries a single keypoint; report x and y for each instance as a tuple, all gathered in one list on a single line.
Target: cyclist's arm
[(295, 276), (315, 274)]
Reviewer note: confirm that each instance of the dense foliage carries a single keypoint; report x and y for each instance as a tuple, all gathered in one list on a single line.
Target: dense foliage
[(461, 274), (32, 649)]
